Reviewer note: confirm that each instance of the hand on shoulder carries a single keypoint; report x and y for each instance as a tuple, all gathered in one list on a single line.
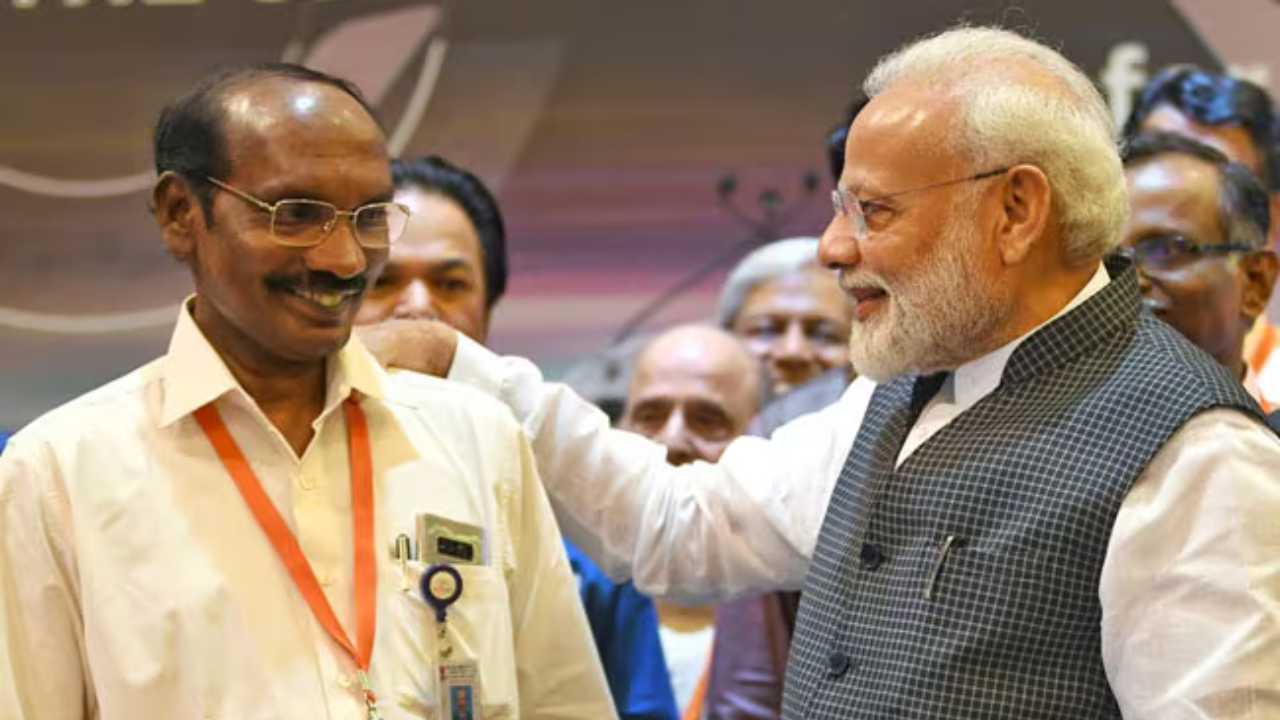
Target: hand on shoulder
[(425, 346)]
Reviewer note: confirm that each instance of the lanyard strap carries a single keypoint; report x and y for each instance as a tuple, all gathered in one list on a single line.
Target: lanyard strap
[(286, 545)]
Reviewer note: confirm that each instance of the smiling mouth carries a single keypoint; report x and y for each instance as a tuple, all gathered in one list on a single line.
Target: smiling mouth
[(328, 300), (864, 294), (865, 300)]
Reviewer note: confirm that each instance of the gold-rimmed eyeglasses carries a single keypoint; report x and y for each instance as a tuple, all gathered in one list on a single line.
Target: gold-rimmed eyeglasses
[(848, 206), (303, 223)]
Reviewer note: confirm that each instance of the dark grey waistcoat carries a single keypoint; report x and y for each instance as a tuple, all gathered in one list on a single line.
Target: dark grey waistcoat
[(964, 584)]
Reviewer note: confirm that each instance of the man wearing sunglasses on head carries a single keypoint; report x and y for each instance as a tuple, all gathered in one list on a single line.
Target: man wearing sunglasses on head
[(1197, 231)]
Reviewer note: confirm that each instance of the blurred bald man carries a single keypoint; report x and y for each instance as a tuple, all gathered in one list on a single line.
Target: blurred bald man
[(694, 389)]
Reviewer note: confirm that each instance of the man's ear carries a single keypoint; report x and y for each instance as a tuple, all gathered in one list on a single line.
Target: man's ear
[(178, 213), (1259, 279), (1026, 202)]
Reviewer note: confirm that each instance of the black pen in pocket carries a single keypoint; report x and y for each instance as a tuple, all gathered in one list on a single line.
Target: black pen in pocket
[(944, 548)]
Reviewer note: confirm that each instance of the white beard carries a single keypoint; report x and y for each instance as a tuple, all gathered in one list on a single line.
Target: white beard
[(937, 313)]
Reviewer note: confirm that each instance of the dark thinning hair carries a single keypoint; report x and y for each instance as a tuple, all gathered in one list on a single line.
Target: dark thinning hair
[(1215, 99), (1244, 209), (436, 175), (840, 133), (190, 138)]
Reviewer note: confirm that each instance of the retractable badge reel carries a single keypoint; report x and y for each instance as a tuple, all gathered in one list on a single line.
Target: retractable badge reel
[(441, 588), (458, 680)]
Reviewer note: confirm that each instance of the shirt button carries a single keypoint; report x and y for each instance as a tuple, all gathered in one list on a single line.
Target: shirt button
[(871, 556), (326, 579), (306, 481), (838, 664), (346, 682)]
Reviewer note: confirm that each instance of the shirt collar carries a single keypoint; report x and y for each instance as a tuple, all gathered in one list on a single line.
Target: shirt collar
[(978, 378), (195, 375)]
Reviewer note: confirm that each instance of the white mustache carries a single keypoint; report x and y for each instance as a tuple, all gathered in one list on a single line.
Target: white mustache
[(851, 280)]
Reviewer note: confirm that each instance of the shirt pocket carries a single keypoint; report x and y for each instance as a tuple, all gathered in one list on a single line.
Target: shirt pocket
[(1024, 596), (478, 629)]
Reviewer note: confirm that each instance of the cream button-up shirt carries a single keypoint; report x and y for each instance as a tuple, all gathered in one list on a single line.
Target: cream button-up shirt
[(135, 583), (1190, 588)]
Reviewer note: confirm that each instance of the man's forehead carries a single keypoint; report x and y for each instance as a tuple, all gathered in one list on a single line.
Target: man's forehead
[(269, 109), (1173, 192), (303, 139), (724, 390), (902, 126), (1174, 171), (692, 359), (796, 291)]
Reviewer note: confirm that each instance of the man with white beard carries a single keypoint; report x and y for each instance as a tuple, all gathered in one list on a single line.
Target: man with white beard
[(1037, 501)]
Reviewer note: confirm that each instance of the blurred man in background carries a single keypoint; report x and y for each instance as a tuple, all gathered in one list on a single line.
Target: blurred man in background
[(694, 389), (451, 265), (789, 311), (1239, 119), (1197, 230)]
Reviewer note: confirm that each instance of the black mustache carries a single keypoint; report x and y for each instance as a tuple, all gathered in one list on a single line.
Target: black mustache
[(320, 282)]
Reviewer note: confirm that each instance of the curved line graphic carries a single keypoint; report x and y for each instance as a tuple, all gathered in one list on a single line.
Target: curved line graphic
[(294, 51), (41, 185), (424, 88), (411, 118), (88, 324)]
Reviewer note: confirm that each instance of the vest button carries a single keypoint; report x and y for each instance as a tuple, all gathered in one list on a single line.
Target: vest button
[(871, 556), (838, 664)]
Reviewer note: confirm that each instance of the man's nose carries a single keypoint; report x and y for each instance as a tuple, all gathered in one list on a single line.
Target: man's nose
[(838, 248), (793, 346), (674, 435), (339, 253), (416, 302)]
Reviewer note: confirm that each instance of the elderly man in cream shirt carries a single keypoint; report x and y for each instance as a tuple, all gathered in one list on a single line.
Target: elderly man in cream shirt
[(262, 524)]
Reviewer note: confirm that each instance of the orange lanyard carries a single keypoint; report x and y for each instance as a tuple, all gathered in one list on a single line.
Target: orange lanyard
[(286, 544)]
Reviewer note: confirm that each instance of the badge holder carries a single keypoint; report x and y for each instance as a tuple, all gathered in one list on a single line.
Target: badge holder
[(459, 681)]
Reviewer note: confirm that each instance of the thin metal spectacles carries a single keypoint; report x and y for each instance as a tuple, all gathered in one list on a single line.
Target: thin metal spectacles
[(849, 207), (1167, 251), (303, 223)]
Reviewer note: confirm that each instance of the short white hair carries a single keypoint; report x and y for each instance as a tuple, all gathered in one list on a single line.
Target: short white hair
[(1021, 102), (769, 262)]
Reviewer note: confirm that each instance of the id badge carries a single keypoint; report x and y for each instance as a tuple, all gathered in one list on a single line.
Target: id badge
[(460, 691), (441, 540)]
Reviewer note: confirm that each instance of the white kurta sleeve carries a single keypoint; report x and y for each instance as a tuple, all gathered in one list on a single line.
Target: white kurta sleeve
[(694, 533), (1190, 588)]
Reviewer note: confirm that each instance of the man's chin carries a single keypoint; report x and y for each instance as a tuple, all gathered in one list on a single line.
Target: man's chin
[(316, 344), (878, 369)]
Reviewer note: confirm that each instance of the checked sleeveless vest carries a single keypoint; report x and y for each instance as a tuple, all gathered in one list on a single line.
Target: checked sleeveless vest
[(964, 583)]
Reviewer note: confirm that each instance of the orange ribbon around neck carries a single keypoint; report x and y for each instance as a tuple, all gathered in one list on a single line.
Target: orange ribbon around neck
[(290, 552)]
